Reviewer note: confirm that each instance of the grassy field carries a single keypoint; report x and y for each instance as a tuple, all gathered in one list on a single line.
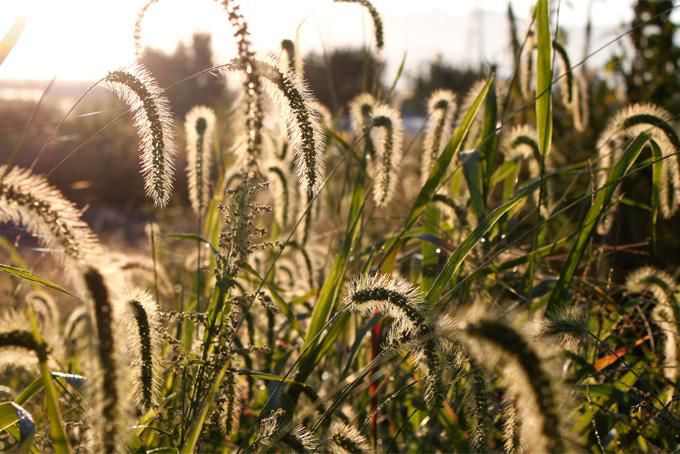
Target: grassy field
[(325, 281)]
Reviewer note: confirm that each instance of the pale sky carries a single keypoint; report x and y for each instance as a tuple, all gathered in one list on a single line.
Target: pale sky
[(83, 39)]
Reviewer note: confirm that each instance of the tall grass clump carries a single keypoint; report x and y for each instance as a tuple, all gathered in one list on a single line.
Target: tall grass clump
[(628, 123), (351, 280)]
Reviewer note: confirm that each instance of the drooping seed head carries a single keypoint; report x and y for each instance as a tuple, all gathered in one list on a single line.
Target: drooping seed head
[(520, 144), (30, 202), (581, 110), (143, 344), (360, 113), (441, 108), (377, 21), (494, 343), (387, 131), (44, 306), (472, 138), (19, 348), (154, 124), (288, 60), (662, 287), (566, 82), (628, 123), (305, 129), (404, 304), (200, 129), (346, 439)]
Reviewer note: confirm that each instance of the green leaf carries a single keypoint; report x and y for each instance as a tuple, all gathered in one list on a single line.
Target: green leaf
[(544, 77), (8, 417), (192, 237), (267, 376), (591, 219), (439, 169), (23, 274), (12, 415), (489, 145), (455, 261), (472, 170)]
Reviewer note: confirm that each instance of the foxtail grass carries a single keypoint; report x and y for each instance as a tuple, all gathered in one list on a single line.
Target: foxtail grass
[(404, 304), (387, 133), (108, 382), (662, 287), (143, 339), (441, 109), (28, 201), (628, 123), (154, 124), (494, 343), (200, 129), (377, 21)]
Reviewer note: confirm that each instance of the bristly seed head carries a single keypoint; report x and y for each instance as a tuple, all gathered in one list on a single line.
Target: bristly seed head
[(144, 336), (377, 21), (662, 287), (404, 304), (346, 439), (137, 88), (29, 201), (387, 132), (305, 128), (200, 128), (441, 108), (628, 123), (110, 375)]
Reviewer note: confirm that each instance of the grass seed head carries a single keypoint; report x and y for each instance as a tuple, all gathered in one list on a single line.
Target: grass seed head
[(154, 124)]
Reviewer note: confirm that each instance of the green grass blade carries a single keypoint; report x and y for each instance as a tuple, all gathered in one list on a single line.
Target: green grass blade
[(439, 169), (489, 145), (590, 221), (24, 274), (544, 77), (456, 259), (8, 416), (472, 170), (332, 286), (194, 432), (657, 177)]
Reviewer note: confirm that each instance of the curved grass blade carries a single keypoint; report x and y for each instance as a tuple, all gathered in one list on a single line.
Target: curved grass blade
[(456, 259), (591, 219), (24, 274), (544, 77), (439, 169)]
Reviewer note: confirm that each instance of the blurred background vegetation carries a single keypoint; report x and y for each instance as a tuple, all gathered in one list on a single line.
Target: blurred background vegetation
[(103, 175)]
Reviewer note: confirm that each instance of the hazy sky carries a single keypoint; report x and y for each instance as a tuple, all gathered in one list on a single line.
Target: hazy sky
[(83, 39)]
